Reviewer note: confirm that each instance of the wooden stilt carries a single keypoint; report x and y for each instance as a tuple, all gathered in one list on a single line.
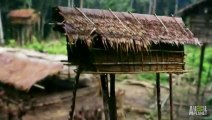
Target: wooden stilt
[(112, 102), (200, 72), (105, 94), (170, 94), (71, 113), (158, 95)]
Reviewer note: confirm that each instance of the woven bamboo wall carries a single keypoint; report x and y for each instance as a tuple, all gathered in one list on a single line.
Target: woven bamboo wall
[(159, 58)]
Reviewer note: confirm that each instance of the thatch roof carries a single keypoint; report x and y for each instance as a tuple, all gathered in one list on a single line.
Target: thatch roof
[(130, 31), (23, 16), (22, 71), (21, 13)]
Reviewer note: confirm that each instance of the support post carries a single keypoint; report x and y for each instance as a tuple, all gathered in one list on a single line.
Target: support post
[(112, 102), (171, 96), (158, 95), (71, 113), (200, 72), (105, 94)]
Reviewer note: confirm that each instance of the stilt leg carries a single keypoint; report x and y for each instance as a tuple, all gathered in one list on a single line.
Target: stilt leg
[(170, 94), (71, 113), (158, 95), (112, 102), (105, 94)]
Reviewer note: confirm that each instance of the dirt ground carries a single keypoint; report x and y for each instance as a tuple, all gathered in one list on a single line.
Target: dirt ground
[(136, 100)]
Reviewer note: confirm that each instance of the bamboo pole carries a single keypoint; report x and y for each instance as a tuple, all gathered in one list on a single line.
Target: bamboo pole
[(171, 97)]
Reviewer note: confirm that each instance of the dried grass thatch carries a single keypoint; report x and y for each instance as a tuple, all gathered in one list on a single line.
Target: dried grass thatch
[(22, 71), (130, 31)]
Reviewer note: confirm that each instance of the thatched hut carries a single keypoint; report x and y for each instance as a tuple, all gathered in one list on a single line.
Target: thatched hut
[(199, 18), (107, 42), (24, 23)]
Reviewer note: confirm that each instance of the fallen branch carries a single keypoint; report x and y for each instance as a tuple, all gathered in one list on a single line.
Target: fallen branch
[(137, 110), (139, 83)]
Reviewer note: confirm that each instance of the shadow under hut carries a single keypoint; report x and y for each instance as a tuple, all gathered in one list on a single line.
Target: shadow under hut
[(107, 43)]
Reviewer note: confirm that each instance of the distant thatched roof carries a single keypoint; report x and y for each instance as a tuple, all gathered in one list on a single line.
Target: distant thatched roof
[(128, 30), (21, 13), (193, 6), (23, 16)]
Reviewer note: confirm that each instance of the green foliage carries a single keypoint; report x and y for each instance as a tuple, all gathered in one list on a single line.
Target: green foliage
[(51, 47), (116, 5), (11, 43), (192, 60), (152, 77), (35, 45), (192, 64), (56, 47)]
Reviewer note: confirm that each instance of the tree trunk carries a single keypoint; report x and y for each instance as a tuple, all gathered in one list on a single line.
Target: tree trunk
[(76, 3), (176, 6), (69, 3), (150, 6), (132, 4), (81, 3), (30, 3), (200, 72), (154, 6), (72, 3), (1, 31), (42, 25)]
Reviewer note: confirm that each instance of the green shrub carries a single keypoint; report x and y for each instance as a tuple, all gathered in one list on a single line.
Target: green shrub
[(11, 43)]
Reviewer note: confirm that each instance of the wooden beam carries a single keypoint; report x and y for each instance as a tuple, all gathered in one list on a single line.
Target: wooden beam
[(149, 51), (136, 72), (158, 95), (140, 63)]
